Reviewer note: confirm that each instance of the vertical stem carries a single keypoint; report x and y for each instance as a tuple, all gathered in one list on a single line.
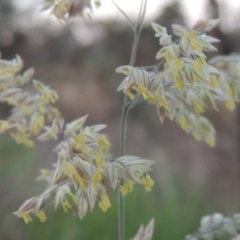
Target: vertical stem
[(121, 218), (125, 110)]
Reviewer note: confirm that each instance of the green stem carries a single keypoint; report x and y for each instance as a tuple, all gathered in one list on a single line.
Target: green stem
[(125, 110)]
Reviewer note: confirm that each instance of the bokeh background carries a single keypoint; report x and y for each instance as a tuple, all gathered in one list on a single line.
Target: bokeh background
[(78, 59)]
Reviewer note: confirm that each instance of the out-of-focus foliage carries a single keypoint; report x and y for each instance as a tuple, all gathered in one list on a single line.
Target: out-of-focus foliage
[(217, 227), (145, 233), (30, 109), (65, 9)]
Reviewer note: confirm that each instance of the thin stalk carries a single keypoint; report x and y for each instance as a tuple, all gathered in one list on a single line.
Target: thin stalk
[(125, 109), (126, 16), (142, 13)]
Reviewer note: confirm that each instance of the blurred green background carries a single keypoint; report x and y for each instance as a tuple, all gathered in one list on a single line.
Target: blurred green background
[(78, 60)]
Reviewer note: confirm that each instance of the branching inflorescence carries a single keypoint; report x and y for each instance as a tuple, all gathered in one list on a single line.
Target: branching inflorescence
[(84, 168), (83, 171), (65, 9), (183, 84), (31, 107)]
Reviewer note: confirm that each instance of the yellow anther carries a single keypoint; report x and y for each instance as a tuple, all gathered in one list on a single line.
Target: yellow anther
[(148, 183), (105, 203), (183, 123), (41, 215)]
